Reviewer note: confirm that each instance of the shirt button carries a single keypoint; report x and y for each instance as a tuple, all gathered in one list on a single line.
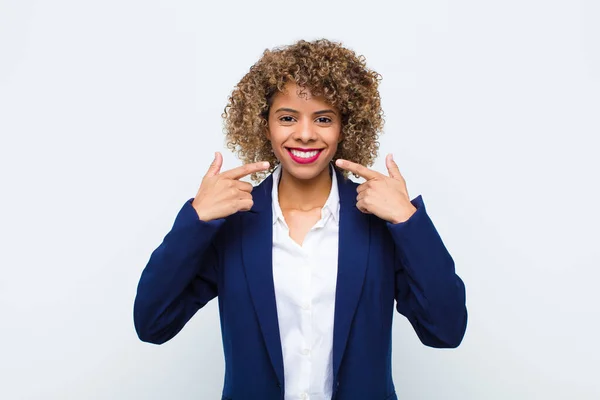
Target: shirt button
[(303, 396), (306, 306), (306, 352)]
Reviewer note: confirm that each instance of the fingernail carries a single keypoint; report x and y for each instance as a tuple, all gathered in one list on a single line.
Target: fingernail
[(339, 163), (266, 164)]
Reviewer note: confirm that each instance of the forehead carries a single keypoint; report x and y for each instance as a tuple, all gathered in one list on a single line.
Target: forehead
[(299, 97)]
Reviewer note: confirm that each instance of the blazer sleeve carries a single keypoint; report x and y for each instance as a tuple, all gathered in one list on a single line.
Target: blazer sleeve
[(179, 279), (428, 291)]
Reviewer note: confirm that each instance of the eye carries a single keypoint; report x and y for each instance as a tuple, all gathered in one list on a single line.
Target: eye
[(286, 118), (324, 120)]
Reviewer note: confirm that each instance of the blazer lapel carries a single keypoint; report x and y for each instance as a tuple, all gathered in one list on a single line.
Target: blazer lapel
[(257, 253), (353, 252)]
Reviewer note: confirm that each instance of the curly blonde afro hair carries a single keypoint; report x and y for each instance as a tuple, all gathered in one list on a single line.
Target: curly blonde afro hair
[(324, 68)]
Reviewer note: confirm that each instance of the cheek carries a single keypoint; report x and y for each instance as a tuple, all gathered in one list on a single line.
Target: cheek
[(274, 135), (334, 137)]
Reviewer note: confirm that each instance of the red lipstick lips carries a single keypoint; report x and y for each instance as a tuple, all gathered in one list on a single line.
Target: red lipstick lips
[(304, 156)]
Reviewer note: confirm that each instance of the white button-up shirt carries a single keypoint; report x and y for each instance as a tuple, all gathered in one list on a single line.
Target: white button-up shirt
[(305, 281)]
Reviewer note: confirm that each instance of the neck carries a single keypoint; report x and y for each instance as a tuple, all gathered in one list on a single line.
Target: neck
[(304, 194)]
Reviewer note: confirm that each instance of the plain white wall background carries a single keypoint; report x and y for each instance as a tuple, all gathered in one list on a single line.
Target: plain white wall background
[(110, 114)]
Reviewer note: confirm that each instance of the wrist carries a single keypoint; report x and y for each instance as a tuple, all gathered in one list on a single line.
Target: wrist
[(403, 216), (202, 216)]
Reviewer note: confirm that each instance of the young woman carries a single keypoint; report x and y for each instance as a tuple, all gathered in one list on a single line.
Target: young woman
[(307, 264)]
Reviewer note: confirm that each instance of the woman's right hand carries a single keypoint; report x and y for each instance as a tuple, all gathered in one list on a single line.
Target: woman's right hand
[(223, 194)]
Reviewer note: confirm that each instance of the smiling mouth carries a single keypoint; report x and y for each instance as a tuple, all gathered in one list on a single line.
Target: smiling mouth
[(304, 156)]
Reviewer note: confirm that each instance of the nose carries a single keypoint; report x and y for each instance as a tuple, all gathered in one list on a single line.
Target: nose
[(305, 131)]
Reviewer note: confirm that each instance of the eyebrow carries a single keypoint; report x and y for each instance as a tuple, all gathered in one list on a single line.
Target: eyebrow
[(320, 112)]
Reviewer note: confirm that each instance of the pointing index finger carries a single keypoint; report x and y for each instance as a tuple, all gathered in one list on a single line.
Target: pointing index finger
[(241, 171), (358, 169)]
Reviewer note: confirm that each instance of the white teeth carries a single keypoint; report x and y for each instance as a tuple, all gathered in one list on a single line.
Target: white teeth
[(304, 154)]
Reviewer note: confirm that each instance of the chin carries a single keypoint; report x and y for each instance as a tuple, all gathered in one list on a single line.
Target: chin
[(306, 171)]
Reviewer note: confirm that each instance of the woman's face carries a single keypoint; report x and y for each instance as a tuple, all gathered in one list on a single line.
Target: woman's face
[(304, 132)]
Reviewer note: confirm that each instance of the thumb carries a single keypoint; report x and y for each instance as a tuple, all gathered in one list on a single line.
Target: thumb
[(392, 167), (215, 167)]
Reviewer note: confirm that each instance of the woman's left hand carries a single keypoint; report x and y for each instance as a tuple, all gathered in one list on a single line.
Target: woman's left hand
[(385, 196)]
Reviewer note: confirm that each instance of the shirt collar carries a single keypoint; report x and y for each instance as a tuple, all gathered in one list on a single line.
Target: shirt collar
[(331, 206)]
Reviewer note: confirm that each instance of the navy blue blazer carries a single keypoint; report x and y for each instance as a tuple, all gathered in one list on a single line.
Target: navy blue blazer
[(231, 258)]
